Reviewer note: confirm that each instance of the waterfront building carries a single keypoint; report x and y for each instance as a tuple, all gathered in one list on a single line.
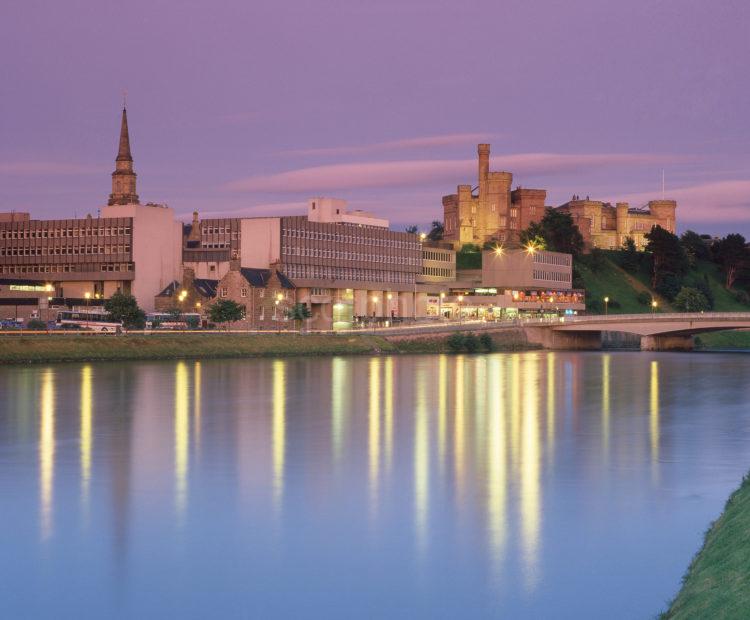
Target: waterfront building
[(128, 247), (607, 227)]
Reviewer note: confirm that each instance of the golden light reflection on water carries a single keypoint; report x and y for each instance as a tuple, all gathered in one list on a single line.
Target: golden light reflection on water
[(181, 436), (197, 395), (47, 450), (496, 464), (421, 461), (388, 395), (458, 431), (606, 358), (373, 443), (551, 374), (278, 430), (654, 415), (530, 473), (442, 410), (339, 384), (86, 439)]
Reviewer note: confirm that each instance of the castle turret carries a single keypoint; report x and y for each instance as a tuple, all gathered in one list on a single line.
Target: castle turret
[(664, 213), (123, 178)]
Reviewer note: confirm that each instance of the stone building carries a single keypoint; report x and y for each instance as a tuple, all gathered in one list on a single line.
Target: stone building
[(607, 227), (189, 295), (266, 295), (491, 211)]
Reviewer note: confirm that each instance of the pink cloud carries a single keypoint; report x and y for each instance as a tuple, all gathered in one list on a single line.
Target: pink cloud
[(407, 173), (260, 210), (706, 203), (396, 145)]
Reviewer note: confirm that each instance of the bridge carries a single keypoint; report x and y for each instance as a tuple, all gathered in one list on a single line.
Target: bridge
[(658, 332)]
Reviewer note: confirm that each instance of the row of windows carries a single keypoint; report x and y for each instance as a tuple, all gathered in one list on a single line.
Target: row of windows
[(214, 246), (552, 259), (65, 250), (56, 233), (348, 273), (319, 235), (444, 257), (83, 268), (437, 271), (345, 255), (551, 276), (218, 230)]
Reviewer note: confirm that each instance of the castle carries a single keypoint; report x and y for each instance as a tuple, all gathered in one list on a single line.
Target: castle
[(491, 211)]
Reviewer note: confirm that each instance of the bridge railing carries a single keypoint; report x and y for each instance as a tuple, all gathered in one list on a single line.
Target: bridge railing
[(666, 316)]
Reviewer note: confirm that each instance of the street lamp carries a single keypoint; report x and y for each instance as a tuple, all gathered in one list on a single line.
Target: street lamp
[(87, 295), (654, 304), (606, 305), (440, 305), (460, 301)]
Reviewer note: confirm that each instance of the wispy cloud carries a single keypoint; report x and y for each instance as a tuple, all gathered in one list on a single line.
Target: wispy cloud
[(407, 173), (456, 139), (47, 168), (707, 203), (258, 210)]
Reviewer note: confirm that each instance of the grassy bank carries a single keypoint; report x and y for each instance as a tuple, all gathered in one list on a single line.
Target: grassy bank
[(716, 583), (42, 348), (732, 339)]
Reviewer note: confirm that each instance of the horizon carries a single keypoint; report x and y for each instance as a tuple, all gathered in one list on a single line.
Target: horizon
[(378, 106)]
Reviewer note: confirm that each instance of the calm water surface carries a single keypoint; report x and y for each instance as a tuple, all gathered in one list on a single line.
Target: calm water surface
[(532, 485)]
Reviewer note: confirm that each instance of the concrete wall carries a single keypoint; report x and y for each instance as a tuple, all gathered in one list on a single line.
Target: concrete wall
[(261, 241), (516, 269), (157, 248)]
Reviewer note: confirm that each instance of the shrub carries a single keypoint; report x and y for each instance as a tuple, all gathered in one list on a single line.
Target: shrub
[(36, 324), (455, 342), (669, 286), (691, 300), (487, 343), (742, 297), (471, 343)]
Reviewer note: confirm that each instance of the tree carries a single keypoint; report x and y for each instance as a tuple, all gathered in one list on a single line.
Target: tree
[(226, 311), (630, 259), (123, 307), (298, 313), (691, 300), (174, 314), (412, 230), (668, 257), (695, 246), (558, 230), (436, 232), (732, 254), (469, 257)]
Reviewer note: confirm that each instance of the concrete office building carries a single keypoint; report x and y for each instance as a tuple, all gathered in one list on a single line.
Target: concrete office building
[(129, 247)]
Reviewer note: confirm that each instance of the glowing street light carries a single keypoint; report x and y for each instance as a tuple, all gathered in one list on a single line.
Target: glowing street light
[(499, 250), (606, 305), (87, 295), (654, 304)]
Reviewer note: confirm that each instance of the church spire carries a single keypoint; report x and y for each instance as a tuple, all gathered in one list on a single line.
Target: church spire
[(123, 153), (123, 178)]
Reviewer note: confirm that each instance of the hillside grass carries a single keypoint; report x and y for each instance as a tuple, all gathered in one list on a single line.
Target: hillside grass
[(717, 583)]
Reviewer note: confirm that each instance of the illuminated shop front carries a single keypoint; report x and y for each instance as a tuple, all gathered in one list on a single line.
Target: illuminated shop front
[(493, 304)]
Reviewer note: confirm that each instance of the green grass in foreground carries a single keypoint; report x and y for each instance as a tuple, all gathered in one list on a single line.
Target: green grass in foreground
[(69, 348), (717, 583)]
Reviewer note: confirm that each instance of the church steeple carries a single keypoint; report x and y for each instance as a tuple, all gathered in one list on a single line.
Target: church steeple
[(123, 178)]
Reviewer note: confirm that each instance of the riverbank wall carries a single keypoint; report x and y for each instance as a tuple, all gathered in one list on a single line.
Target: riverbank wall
[(22, 349)]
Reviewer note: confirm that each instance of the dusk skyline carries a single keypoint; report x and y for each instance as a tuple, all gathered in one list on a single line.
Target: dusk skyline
[(251, 109)]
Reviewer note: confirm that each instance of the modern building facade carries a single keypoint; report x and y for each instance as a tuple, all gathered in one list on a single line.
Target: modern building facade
[(607, 227)]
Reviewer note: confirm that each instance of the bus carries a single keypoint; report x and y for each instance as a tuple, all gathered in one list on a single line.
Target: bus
[(167, 320), (96, 321)]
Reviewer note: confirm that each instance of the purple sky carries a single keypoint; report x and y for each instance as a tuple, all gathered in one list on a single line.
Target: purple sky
[(249, 107)]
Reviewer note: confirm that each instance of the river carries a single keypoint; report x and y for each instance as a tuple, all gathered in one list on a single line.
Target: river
[(524, 485)]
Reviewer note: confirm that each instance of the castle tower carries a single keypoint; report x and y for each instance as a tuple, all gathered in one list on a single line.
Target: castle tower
[(123, 178)]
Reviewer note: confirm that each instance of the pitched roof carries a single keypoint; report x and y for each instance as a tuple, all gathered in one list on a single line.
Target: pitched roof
[(204, 286), (259, 277)]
